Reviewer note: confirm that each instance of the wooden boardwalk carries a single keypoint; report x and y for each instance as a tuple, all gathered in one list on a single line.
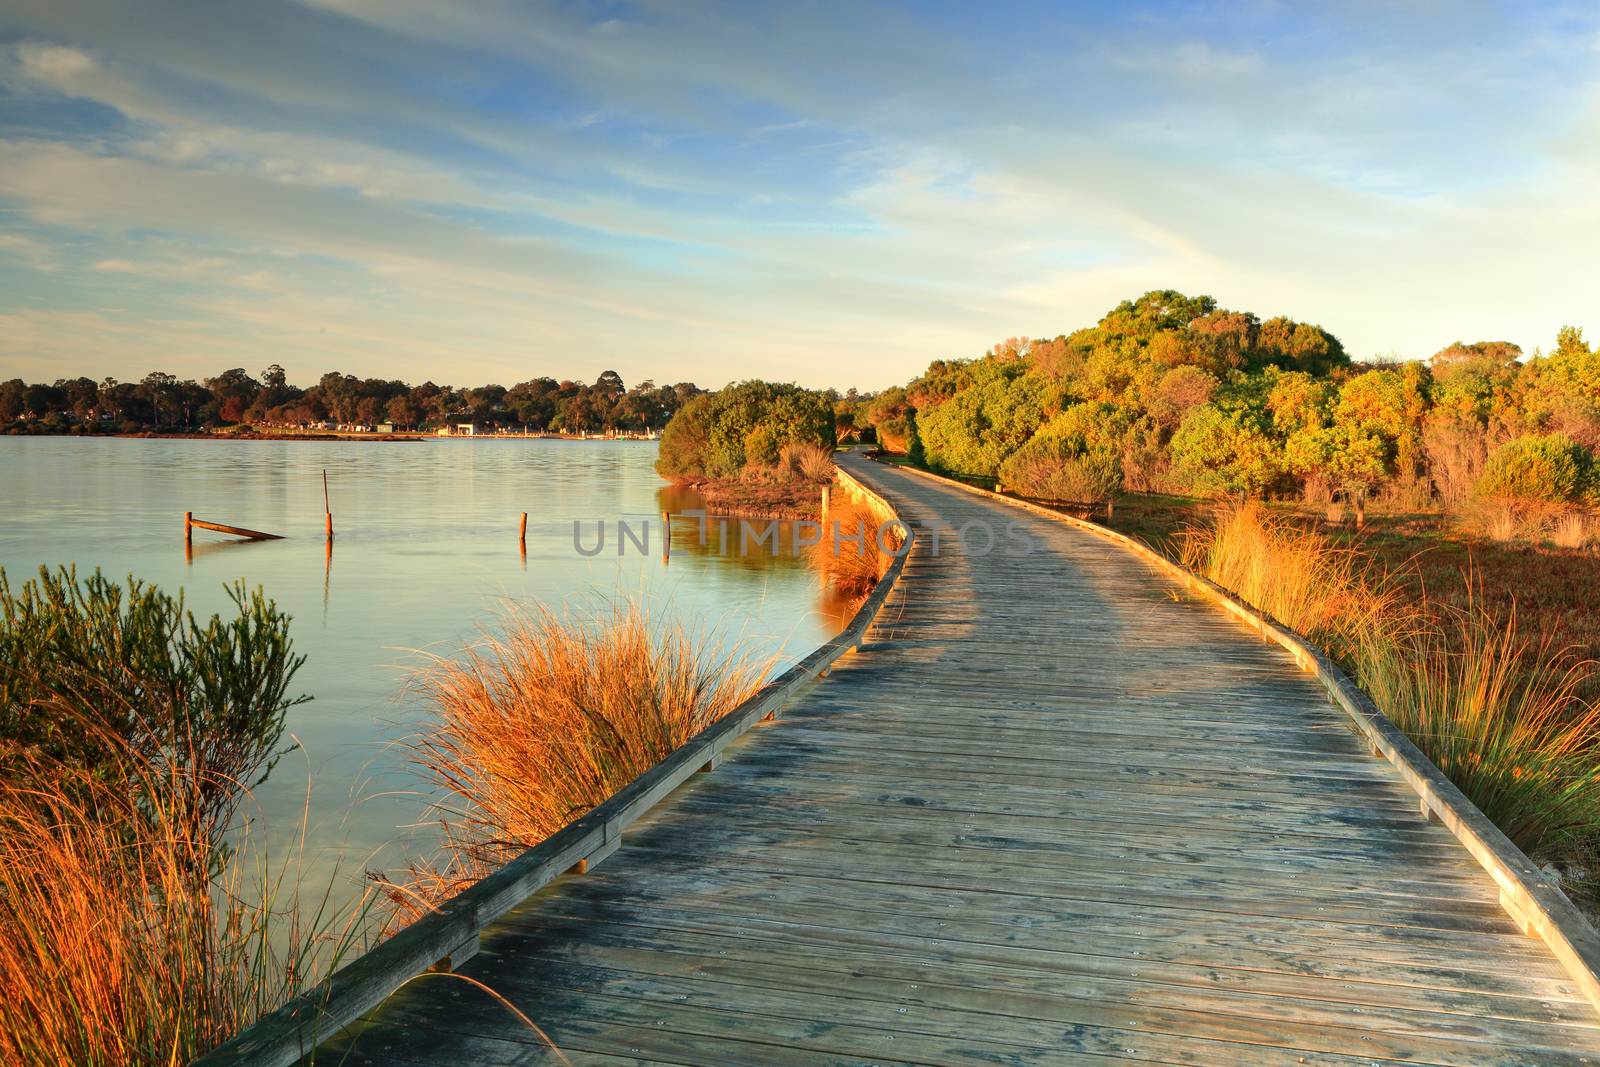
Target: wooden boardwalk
[(1055, 812)]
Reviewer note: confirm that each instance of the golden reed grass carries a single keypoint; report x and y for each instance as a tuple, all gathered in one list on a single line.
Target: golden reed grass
[(127, 937), (537, 724), (1496, 709), (850, 555)]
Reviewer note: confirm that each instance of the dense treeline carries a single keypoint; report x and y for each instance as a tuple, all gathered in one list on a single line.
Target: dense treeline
[(745, 426), (161, 401), (1170, 393)]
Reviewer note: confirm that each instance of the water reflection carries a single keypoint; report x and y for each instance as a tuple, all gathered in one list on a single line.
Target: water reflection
[(429, 555), (754, 544)]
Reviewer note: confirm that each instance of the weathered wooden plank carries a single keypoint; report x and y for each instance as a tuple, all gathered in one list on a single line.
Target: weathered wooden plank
[(921, 1004), (1106, 977), (1056, 811)]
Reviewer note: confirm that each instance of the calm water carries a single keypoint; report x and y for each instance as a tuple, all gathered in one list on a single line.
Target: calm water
[(425, 557)]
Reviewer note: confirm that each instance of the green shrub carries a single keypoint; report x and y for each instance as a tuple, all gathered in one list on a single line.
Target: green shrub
[(1054, 468), (92, 671), (973, 432), (1533, 469), (715, 435), (1218, 452)]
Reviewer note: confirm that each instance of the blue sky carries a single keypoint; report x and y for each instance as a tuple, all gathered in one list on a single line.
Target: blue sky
[(833, 194)]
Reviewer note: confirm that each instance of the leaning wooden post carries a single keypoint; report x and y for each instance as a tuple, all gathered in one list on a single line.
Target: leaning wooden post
[(188, 527), (522, 529), (327, 512)]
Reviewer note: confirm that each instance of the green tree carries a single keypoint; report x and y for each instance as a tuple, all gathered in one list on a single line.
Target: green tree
[(973, 432), (1218, 453), (716, 435)]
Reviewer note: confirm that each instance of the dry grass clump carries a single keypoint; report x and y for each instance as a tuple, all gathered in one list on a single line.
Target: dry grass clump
[(126, 936), (1564, 527), (1331, 594), (850, 555), (550, 717), (138, 924), (1500, 712), (796, 463), (813, 463)]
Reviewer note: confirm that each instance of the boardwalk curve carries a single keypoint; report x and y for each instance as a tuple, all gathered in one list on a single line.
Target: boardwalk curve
[(1055, 811)]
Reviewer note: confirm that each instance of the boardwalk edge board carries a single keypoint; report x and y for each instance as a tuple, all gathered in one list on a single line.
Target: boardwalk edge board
[(448, 937), (1538, 908)]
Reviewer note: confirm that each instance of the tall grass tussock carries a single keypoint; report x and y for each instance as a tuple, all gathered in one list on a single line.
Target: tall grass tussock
[(139, 924), (1499, 711), (548, 718), (850, 554)]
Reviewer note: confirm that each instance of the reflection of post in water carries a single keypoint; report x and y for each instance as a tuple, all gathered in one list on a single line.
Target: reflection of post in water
[(327, 576)]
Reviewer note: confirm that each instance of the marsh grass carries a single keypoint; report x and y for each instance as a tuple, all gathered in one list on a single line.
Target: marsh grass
[(124, 940), (140, 922), (1500, 711), (547, 718), (849, 554)]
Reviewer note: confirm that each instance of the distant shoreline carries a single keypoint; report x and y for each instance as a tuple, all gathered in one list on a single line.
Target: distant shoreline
[(353, 438)]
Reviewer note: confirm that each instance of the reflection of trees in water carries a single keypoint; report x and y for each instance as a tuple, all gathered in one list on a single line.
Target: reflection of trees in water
[(750, 543)]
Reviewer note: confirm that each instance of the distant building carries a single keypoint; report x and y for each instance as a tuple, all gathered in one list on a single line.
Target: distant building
[(384, 427), (466, 429)]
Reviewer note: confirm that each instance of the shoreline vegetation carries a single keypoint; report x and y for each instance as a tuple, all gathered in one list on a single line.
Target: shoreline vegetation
[(546, 718), (1433, 524), (754, 448), (337, 403), (140, 923), (1403, 516)]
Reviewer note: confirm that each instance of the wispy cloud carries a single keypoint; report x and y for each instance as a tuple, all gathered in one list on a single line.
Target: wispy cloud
[(401, 188)]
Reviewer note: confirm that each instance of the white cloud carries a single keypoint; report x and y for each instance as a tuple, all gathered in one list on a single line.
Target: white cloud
[(690, 197)]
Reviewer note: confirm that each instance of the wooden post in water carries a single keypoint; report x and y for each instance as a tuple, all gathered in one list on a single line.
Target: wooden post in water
[(666, 537), (522, 530), (327, 511), (188, 527)]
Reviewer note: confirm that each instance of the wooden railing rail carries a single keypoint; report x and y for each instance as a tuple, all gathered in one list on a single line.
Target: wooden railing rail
[(1539, 908), (449, 936)]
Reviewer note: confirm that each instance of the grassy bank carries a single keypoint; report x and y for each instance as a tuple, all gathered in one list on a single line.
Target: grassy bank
[(1500, 706), (790, 487)]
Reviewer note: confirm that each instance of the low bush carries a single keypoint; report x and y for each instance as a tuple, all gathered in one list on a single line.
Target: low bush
[(716, 435), (1537, 470), (137, 668), (1055, 469)]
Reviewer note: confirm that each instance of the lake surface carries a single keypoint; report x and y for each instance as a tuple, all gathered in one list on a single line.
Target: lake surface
[(425, 558)]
